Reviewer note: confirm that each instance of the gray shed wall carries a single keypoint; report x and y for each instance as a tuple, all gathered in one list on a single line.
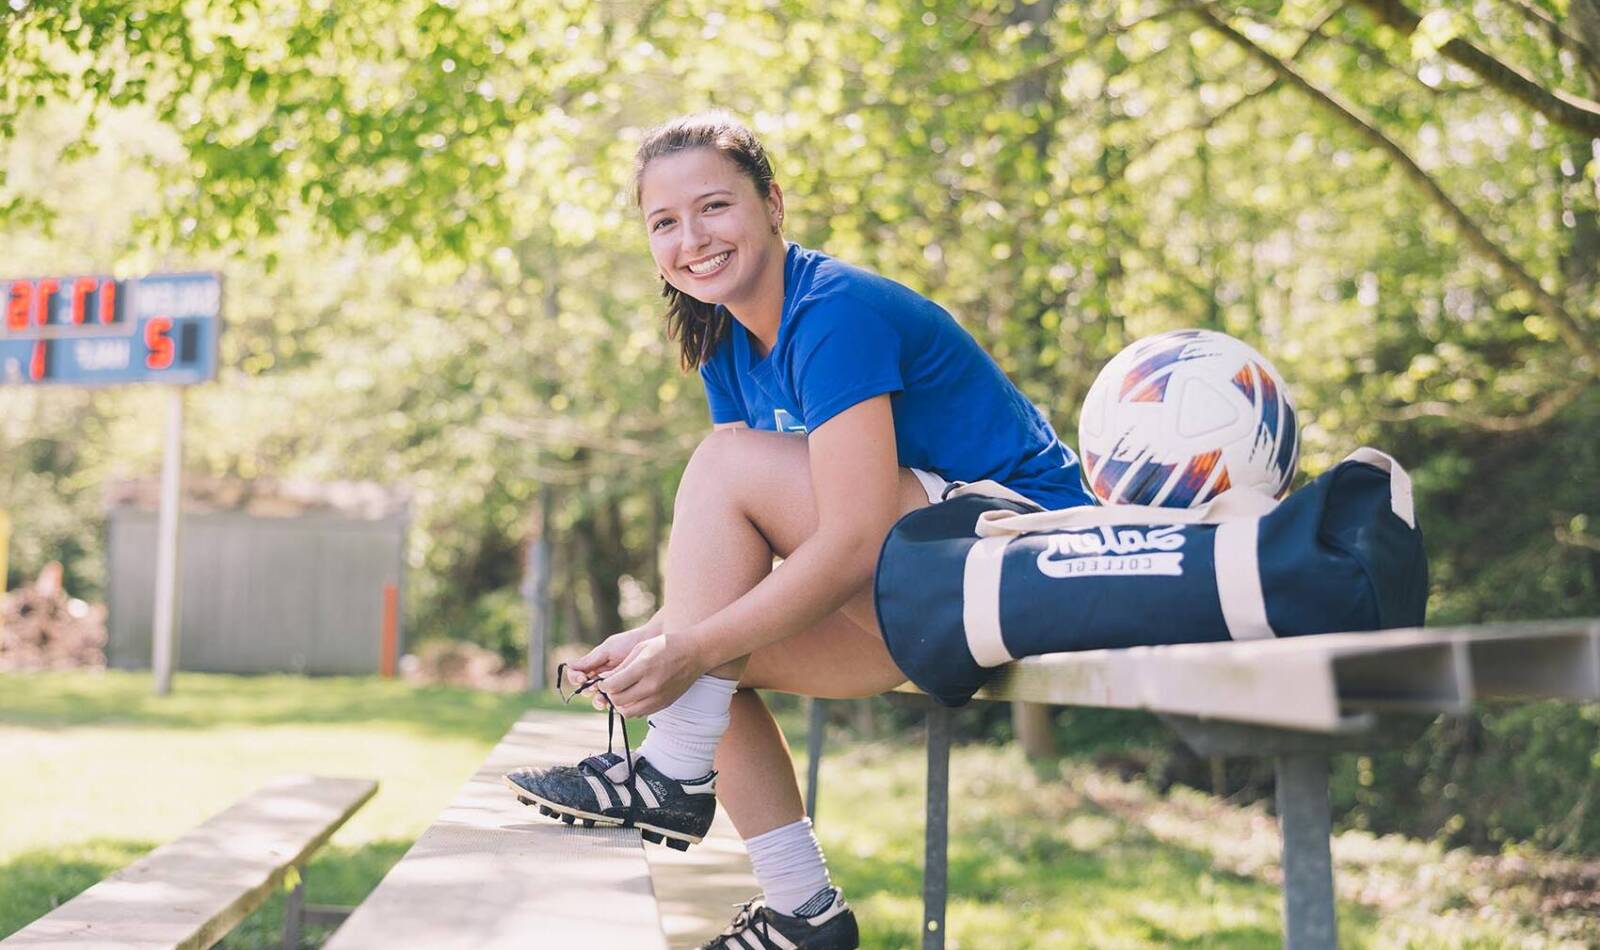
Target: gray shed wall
[(257, 595)]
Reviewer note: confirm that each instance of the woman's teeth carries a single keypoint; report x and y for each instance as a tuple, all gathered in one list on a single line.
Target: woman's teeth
[(706, 267)]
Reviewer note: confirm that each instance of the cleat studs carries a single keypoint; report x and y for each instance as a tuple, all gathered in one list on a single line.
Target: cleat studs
[(567, 819), (588, 822), (547, 810), (651, 837), (524, 800), (677, 844)]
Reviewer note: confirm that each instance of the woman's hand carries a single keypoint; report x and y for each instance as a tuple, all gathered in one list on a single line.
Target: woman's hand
[(655, 673), (609, 655)]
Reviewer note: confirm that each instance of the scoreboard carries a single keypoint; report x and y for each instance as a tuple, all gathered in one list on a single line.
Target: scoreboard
[(87, 330)]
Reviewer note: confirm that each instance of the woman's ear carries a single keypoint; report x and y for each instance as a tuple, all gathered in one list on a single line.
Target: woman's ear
[(775, 207)]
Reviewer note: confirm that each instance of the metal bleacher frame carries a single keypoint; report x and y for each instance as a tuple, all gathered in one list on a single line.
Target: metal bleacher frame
[(1298, 701)]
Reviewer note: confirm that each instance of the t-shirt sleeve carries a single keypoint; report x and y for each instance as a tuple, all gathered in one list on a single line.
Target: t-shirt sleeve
[(724, 406), (845, 353)]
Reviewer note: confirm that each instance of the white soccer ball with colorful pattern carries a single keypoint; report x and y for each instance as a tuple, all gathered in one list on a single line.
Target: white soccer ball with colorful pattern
[(1179, 418)]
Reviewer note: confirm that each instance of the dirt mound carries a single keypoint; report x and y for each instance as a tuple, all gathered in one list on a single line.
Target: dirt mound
[(42, 628), (458, 663)]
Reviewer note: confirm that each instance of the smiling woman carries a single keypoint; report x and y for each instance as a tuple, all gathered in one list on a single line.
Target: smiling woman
[(841, 401)]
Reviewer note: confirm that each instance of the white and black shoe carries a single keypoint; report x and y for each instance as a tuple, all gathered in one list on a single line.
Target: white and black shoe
[(623, 790), (825, 922), (613, 790)]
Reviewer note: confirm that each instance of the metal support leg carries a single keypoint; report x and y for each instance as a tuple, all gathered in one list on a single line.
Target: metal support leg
[(816, 731), (294, 915), (935, 867), (1303, 814)]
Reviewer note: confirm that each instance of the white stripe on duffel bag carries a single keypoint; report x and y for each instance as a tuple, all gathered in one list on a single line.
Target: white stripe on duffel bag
[(1237, 514), (980, 602), (1244, 606)]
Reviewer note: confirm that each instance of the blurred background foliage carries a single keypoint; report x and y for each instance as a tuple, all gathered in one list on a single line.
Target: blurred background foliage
[(437, 277)]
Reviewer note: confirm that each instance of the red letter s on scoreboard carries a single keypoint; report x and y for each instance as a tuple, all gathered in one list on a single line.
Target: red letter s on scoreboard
[(158, 340)]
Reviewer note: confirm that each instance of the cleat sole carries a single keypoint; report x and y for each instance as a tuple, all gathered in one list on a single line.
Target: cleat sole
[(676, 840)]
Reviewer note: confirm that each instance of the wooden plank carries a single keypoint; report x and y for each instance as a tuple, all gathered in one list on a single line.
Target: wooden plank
[(493, 873), (190, 892), (698, 889), (1316, 683)]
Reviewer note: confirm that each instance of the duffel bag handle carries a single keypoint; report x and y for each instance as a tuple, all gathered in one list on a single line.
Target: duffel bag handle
[(1400, 500), (1232, 505), (1229, 506)]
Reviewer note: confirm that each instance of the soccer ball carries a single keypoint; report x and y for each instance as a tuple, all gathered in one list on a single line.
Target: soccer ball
[(1179, 418)]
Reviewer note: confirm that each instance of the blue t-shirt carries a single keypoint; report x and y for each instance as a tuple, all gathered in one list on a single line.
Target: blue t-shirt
[(846, 335)]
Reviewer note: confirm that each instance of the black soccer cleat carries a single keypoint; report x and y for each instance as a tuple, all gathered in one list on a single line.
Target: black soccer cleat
[(603, 790), (758, 927)]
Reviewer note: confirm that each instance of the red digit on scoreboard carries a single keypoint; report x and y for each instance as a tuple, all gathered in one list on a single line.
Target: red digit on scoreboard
[(108, 302), (47, 289), (157, 338), (39, 365), (81, 289), (18, 305)]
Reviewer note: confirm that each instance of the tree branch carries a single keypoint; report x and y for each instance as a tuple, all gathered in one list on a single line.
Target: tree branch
[(1563, 108), (1543, 411), (1575, 333), (1561, 38), (1574, 539)]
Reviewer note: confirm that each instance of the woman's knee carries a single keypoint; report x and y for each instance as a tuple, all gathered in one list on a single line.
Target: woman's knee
[(733, 464)]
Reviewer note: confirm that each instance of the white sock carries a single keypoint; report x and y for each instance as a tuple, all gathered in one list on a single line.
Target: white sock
[(788, 865), (683, 737)]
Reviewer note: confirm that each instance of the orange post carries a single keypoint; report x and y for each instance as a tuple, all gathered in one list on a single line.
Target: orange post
[(390, 646)]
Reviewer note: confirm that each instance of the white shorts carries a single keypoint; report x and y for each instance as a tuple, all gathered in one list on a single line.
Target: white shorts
[(933, 485), (938, 489)]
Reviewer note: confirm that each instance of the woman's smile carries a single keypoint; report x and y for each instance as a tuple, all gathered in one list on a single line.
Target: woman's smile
[(707, 266)]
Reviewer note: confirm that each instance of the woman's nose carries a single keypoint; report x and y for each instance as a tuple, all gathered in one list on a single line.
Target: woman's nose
[(692, 234)]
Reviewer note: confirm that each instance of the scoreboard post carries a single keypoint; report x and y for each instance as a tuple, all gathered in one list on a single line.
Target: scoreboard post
[(97, 330)]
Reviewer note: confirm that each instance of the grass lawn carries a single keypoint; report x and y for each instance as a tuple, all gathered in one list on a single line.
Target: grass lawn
[(95, 771)]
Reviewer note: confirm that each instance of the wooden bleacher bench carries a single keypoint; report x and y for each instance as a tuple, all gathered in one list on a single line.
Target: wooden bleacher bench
[(189, 892), (492, 873), (1298, 701)]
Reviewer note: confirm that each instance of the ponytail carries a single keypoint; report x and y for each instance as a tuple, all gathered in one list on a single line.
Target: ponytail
[(697, 326)]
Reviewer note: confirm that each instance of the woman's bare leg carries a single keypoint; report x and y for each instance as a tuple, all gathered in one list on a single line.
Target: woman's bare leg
[(756, 782), (746, 497)]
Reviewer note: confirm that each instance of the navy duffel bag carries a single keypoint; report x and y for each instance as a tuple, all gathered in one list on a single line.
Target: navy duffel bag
[(983, 578)]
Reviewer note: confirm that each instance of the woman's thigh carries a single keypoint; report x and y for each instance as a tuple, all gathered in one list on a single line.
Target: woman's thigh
[(840, 658)]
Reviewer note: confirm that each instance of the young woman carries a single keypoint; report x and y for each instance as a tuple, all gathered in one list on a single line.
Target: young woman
[(840, 400)]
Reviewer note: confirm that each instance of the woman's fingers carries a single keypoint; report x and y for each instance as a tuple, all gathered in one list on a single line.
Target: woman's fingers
[(595, 661), (624, 674), (627, 683)]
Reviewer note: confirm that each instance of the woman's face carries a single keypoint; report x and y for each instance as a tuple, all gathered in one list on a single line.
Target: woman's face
[(710, 233)]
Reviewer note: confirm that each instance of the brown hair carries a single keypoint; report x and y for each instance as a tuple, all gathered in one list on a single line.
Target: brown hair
[(695, 324)]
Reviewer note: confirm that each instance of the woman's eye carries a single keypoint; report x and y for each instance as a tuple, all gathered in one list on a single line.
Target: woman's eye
[(716, 204), (660, 223)]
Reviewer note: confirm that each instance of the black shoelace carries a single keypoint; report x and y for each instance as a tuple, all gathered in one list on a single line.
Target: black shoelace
[(612, 718)]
